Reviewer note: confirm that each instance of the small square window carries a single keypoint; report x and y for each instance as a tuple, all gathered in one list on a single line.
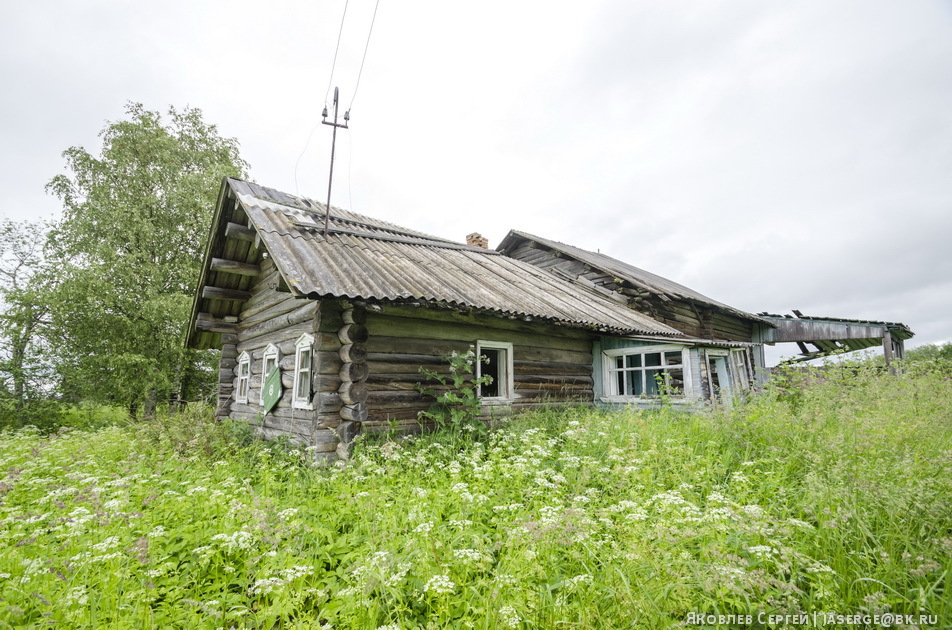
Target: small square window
[(498, 366)]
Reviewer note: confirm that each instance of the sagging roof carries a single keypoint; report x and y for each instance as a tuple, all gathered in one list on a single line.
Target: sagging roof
[(829, 335), (662, 287), (366, 259)]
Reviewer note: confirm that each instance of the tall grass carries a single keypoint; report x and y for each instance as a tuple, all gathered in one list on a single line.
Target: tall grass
[(829, 494)]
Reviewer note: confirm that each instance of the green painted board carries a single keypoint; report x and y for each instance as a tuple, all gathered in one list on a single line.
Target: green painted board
[(272, 389)]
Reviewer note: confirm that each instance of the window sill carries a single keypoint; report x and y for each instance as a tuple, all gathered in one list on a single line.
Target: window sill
[(496, 402), (674, 400)]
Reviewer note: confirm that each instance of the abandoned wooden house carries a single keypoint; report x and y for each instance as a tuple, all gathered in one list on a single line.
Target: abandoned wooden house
[(323, 333)]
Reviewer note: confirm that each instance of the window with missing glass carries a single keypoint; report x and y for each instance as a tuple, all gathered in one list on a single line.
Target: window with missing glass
[(496, 364), (645, 371)]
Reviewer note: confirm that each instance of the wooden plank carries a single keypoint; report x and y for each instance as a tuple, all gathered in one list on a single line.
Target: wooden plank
[(239, 232), (217, 293), (235, 267), (207, 322)]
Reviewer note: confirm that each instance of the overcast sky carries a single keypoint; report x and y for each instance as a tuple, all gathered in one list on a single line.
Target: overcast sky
[(771, 155)]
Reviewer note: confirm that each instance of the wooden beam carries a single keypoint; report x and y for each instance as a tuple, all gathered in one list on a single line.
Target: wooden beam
[(888, 350), (217, 293), (206, 322), (235, 267), (240, 232)]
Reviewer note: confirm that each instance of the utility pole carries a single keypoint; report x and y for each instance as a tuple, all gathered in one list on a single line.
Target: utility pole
[(330, 179)]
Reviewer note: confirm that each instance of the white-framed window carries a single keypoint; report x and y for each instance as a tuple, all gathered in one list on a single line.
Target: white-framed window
[(269, 361), (646, 371), (243, 371), (303, 366), (498, 366)]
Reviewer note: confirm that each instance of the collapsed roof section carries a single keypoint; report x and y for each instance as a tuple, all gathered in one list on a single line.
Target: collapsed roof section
[(652, 283), (831, 335)]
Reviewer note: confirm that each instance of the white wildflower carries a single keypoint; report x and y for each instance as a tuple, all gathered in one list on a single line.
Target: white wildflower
[(108, 543), (439, 584), (508, 617)]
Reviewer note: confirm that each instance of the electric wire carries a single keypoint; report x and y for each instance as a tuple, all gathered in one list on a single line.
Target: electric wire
[(364, 58), (330, 81)]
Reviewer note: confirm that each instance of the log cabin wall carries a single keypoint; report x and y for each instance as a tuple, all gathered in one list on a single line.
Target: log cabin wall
[(550, 363), (690, 317), (274, 317)]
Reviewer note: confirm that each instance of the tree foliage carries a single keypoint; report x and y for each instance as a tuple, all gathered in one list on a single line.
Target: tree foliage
[(128, 252), (24, 370)]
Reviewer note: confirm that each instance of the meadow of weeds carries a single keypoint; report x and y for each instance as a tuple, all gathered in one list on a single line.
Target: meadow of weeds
[(833, 494)]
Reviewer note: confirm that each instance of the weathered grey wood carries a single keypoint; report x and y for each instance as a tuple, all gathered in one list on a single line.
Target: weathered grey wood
[(271, 310), (355, 315), (303, 313), (328, 362), (355, 413), (218, 293), (475, 322), (209, 323), (353, 393), (235, 267), (354, 372), (283, 337), (239, 232), (888, 349), (352, 333), (353, 353)]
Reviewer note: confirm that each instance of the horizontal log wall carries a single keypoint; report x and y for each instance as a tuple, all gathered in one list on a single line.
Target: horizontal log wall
[(273, 317), (549, 363)]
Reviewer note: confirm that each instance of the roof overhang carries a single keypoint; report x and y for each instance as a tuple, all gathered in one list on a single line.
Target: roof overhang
[(829, 335)]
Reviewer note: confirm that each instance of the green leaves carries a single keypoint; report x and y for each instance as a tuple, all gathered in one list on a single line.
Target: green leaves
[(128, 251), (457, 404)]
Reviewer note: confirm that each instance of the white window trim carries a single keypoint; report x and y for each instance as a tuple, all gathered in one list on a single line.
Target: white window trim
[(271, 351), (608, 357), (508, 392), (243, 372), (304, 342)]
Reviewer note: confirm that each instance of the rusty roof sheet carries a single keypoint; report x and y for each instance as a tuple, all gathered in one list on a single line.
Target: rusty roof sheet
[(639, 277), (363, 258)]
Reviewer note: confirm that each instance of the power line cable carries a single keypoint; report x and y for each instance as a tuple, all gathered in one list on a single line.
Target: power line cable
[(336, 49), (330, 81), (364, 58)]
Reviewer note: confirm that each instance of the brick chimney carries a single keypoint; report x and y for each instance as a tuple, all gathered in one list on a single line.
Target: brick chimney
[(477, 240)]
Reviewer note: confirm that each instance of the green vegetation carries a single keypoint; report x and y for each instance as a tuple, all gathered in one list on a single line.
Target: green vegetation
[(95, 304), (831, 493)]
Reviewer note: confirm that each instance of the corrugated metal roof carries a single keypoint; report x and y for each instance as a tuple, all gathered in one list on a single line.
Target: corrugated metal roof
[(639, 277), (363, 258)]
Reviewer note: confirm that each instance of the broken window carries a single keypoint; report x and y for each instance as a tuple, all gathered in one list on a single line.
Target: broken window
[(498, 366), (728, 372)]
